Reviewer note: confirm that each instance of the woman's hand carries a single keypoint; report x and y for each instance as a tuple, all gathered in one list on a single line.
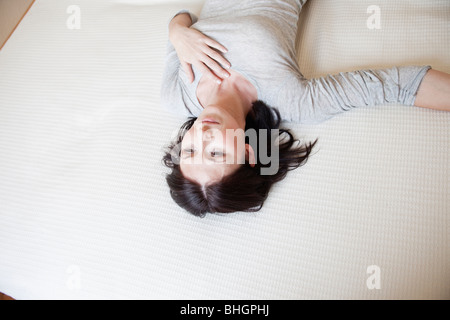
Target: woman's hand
[(195, 49)]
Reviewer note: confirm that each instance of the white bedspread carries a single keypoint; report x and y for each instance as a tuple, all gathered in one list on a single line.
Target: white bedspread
[(85, 212)]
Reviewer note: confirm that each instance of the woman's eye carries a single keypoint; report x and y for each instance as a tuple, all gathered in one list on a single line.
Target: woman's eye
[(216, 154), (189, 150)]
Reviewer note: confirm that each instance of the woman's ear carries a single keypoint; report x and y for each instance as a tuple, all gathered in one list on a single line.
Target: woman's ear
[(250, 155)]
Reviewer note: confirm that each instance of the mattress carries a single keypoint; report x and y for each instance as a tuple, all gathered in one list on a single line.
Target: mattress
[(85, 211)]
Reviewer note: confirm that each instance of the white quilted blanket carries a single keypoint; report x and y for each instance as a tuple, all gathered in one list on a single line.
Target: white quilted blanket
[(85, 212)]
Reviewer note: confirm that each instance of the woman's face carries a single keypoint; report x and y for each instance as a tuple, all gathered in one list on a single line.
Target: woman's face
[(214, 147)]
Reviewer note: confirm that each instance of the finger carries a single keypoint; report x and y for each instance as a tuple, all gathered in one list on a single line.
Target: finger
[(218, 57), (214, 44), (213, 65), (205, 70), (188, 70)]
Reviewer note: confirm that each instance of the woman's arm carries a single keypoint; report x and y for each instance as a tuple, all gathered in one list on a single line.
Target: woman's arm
[(319, 99), (434, 91), (195, 49)]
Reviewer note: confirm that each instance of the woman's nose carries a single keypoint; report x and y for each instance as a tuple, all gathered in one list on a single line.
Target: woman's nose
[(207, 135), (205, 130)]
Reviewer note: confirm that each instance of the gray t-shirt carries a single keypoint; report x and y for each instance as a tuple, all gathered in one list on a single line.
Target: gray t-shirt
[(260, 38)]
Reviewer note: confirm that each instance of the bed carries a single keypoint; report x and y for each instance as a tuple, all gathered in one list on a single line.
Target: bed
[(85, 212)]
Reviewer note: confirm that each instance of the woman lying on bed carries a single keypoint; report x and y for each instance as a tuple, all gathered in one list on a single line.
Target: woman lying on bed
[(223, 160)]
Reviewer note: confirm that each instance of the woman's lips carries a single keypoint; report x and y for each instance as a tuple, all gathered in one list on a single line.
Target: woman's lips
[(210, 121)]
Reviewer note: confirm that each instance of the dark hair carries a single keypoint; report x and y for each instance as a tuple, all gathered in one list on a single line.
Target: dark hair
[(246, 189)]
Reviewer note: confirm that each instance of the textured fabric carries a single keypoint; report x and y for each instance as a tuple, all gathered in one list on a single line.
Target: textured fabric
[(85, 212), (260, 38)]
